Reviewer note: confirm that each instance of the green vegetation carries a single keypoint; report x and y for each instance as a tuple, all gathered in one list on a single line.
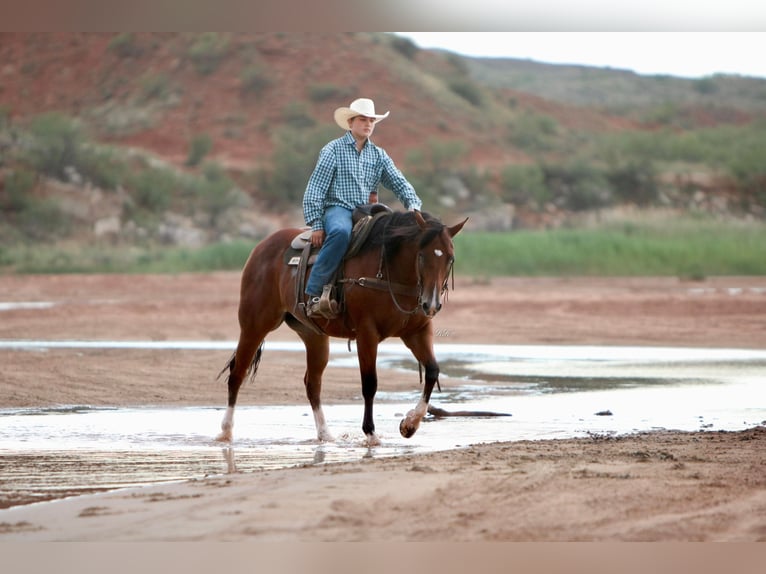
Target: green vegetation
[(125, 45), (199, 147), (207, 52), (688, 249), (689, 146), (323, 92), (57, 148), (295, 155), (110, 259), (254, 80)]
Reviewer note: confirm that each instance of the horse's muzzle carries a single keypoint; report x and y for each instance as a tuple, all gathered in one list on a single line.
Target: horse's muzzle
[(432, 304)]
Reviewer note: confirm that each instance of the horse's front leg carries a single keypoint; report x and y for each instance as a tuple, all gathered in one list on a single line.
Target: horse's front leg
[(367, 352), (421, 345)]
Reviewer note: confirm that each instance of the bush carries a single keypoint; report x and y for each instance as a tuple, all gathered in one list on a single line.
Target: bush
[(297, 115), (152, 189), (295, 155), (467, 90), (534, 132), (125, 46), (207, 52), (199, 147), (56, 144), (635, 182), (36, 219), (254, 80), (405, 47), (101, 168), (523, 184), (154, 87), (16, 189), (578, 185), (324, 92), (214, 191)]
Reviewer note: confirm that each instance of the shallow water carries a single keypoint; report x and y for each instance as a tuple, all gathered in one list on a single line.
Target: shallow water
[(551, 392)]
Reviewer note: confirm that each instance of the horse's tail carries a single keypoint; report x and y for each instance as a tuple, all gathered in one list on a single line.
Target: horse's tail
[(251, 370)]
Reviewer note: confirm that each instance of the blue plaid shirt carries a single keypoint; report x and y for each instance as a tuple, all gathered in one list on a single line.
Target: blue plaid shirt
[(346, 178)]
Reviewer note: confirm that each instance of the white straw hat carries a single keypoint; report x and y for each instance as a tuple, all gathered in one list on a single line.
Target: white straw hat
[(359, 107)]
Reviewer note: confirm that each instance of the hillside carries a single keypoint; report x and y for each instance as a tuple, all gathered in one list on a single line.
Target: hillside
[(193, 138)]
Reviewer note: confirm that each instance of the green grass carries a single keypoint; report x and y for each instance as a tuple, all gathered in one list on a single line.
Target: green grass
[(100, 259), (682, 248)]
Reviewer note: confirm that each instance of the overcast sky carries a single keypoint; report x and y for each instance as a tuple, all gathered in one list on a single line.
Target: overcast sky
[(685, 54)]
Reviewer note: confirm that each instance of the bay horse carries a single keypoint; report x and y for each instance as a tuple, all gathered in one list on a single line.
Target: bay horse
[(392, 287)]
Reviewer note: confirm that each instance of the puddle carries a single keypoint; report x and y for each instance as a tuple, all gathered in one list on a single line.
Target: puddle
[(550, 391)]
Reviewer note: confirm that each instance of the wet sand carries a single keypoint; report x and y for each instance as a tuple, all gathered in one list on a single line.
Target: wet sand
[(659, 486)]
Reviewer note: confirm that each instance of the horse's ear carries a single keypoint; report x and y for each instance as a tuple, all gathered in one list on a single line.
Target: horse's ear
[(455, 229), (421, 222)]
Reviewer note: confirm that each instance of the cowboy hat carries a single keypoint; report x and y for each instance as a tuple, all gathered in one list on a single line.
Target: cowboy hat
[(359, 107)]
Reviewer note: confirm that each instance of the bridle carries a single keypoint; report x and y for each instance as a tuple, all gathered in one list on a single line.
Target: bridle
[(419, 287), (395, 289)]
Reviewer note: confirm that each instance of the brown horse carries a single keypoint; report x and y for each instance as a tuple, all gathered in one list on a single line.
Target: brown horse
[(392, 287)]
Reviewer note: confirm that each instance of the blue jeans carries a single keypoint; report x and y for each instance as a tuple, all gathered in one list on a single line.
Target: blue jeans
[(337, 227)]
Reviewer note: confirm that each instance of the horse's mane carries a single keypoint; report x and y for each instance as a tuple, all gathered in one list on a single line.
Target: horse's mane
[(400, 227)]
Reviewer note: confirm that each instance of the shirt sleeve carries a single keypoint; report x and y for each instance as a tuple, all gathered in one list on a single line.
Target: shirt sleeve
[(318, 186), (394, 180)]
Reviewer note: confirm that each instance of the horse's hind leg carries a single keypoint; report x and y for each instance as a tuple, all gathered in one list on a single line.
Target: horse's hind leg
[(248, 353), (317, 356)]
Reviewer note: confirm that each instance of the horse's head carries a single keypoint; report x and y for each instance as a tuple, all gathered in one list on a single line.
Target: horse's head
[(435, 257)]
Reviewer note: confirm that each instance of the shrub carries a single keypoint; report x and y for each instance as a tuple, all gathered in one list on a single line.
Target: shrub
[(523, 184), (405, 47), (43, 219), (17, 186), (297, 115), (154, 87), (207, 52), (533, 132), (324, 92), (215, 192), (125, 46), (254, 80), (634, 181), (199, 147), (577, 185), (295, 155), (56, 144), (101, 168), (152, 188), (467, 90)]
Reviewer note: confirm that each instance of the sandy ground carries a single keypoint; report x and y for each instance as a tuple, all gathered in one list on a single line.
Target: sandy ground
[(660, 486)]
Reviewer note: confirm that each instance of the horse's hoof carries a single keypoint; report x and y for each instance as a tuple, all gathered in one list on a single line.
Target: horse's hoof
[(325, 437), (224, 436), (373, 440), (407, 430)]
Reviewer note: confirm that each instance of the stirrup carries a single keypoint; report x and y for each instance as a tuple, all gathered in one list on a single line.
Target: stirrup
[(323, 306)]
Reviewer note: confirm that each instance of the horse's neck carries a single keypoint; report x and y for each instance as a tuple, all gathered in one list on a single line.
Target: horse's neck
[(402, 268)]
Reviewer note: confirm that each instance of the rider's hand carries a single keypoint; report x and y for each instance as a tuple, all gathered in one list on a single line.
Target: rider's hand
[(317, 237), (373, 198)]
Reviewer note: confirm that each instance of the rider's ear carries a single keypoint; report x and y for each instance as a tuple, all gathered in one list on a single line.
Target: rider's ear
[(455, 229)]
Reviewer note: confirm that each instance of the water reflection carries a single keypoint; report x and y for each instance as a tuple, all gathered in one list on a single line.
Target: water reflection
[(552, 392)]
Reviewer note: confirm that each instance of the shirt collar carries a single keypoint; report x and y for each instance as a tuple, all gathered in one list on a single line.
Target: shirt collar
[(349, 139)]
